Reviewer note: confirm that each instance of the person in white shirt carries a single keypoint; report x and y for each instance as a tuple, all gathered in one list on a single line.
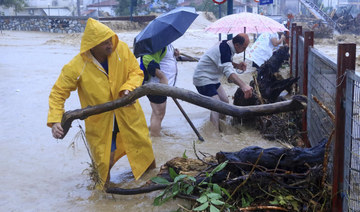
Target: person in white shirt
[(263, 47), (160, 67)]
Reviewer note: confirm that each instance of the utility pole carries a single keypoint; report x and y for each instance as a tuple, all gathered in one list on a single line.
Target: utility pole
[(98, 9), (219, 2), (219, 18), (230, 9), (131, 9), (78, 7)]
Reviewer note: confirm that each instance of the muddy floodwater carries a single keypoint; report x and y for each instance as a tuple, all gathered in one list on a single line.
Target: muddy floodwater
[(40, 173)]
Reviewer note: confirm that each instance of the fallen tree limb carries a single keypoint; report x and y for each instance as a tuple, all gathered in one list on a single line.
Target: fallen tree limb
[(133, 191), (297, 103), (236, 173)]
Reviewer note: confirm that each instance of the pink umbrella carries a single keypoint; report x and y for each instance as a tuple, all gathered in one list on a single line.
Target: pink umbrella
[(245, 22)]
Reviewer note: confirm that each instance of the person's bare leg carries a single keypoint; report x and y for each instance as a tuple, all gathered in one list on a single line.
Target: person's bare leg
[(222, 94), (112, 155), (157, 115), (223, 97), (214, 116)]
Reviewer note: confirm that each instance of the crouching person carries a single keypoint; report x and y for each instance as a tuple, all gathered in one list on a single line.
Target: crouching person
[(216, 63), (104, 70)]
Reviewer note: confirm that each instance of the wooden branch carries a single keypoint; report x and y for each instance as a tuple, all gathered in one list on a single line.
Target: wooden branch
[(297, 103), (332, 117), (257, 89), (242, 183), (188, 58), (133, 191), (263, 208), (327, 110), (326, 158)]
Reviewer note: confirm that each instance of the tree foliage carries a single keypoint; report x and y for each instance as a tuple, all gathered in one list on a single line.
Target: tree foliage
[(17, 4)]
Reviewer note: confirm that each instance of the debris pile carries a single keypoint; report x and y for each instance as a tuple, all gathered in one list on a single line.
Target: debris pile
[(349, 24), (253, 178)]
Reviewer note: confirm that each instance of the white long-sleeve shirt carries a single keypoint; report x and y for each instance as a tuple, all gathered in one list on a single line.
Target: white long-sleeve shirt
[(262, 49), (214, 64)]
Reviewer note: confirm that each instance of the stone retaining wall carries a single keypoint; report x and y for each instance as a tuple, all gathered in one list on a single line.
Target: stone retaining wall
[(55, 24)]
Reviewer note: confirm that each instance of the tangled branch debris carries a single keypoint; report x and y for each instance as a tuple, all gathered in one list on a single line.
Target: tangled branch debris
[(252, 179)]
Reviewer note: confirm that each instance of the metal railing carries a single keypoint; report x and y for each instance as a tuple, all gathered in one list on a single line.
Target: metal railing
[(322, 85), (352, 144), (325, 79)]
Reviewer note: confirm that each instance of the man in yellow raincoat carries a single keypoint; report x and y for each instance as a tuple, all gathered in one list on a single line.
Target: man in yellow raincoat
[(104, 70)]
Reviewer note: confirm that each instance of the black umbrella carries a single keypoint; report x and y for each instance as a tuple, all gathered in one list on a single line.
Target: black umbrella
[(163, 30)]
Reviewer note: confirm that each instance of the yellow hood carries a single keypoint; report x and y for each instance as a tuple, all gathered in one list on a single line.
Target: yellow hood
[(96, 33)]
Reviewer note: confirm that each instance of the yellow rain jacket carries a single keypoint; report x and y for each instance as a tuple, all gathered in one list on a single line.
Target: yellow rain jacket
[(95, 86)]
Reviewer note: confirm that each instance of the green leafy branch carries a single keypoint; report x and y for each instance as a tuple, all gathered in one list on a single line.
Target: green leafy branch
[(211, 194)]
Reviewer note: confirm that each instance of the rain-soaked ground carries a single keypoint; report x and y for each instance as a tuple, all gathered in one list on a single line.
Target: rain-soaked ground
[(40, 173)]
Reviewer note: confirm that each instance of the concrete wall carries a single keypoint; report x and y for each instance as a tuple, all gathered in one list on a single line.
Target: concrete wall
[(55, 24)]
